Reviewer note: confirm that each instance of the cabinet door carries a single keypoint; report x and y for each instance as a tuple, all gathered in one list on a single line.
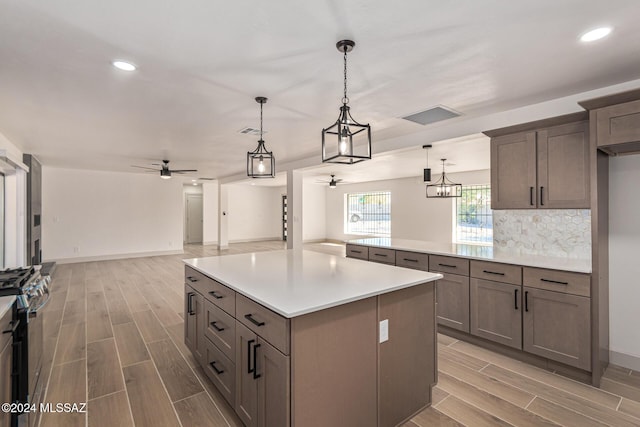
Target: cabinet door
[(557, 326), (496, 312), (513, 171), (193, 331), (452, 299), (273, 386), (5, 384), (563, 167), (246, 384), (619, 124)]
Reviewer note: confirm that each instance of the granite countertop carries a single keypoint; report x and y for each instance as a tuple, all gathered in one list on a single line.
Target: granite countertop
[(6, 303), (297, 282), (480, 252)]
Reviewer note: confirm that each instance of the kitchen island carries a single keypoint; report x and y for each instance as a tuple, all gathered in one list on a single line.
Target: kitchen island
[(303, 338)]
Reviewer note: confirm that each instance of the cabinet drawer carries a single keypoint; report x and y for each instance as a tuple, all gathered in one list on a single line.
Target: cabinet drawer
[(447, 264), (213, 291), (385, 256), (559, 281), (497, 272), (414, 260), (220, 328), (221, 371), (5, 325), (355, 251), (264, 322)]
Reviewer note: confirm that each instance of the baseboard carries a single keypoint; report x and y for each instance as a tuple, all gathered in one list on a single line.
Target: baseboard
[(211, 243), (315, 241), (114, 256), (262, 239), (625, 360)]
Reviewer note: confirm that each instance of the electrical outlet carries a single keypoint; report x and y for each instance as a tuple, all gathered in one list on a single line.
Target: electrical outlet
[(384, 330), (76, 249)]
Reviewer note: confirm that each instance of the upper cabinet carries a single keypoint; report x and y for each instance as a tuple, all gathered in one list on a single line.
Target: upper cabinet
[(543, 164)]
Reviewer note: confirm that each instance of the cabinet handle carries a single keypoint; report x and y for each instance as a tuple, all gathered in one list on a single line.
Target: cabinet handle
[(256, 375), (14, 325), (215, 295), (526, 300), (216, 327), (410, 260), (190, 311), (250, 318), (382, 255), (515, 299), (192, 279), (493, 272), (531, 196), (448, 265), (249, 367), (356, 252), (541, 196), (554, 281), (218, 371)]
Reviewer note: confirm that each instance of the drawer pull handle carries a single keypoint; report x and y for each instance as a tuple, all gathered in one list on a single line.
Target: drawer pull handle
[(526, 300), (192, 279), (216, 327), (448, 265), (256, 375), (250, 318), (541, 196), (493, 272), (14, 325), (531, 196), (410, 260), (516, 299), (250, 368), (218, 371), (215, 295), (382, 255), (554, 281), (190, 311), (355, 252)]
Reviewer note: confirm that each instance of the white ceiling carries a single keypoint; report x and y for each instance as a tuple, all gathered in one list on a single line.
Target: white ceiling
[(201, 63)]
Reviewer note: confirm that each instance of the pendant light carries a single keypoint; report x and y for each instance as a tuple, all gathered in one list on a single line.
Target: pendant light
[(260, 162), (427, 170), (347, 134), (444, 187)]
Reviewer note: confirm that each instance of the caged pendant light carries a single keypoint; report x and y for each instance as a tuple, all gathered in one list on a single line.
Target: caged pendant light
[(444, 187), (347, 134), (260, 162)]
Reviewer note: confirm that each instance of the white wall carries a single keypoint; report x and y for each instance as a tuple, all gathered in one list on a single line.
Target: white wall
[(101, 215), (15, 207), (624, 269), (210, 213), (413, 216), (314, 207), (254, 212)]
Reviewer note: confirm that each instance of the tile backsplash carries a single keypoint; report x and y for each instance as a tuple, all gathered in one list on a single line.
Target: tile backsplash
[(554, 232)]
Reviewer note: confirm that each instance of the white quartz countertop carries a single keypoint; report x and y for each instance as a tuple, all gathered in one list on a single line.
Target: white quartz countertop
[(297, 282), (479, 252), (6, 303)]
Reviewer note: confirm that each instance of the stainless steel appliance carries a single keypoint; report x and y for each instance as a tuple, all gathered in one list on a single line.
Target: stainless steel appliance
[(32, 292)]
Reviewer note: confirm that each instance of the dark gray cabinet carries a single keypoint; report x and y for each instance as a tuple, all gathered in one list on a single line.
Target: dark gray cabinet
[(496, 312), (6, 350), (193, 331), (513, 171), (452, 301)]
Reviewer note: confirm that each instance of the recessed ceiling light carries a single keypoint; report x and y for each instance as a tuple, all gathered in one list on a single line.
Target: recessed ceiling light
[(124, 66), (194, 180), (195, 183), (596, 34)]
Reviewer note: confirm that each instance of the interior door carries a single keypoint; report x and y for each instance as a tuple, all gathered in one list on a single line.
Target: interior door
[(194, 218)]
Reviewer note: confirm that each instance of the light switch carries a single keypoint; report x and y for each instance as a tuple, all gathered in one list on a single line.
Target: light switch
[(384, 330)]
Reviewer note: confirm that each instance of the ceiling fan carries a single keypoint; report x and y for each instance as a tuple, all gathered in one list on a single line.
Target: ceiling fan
[(333, 183), (165, 172)]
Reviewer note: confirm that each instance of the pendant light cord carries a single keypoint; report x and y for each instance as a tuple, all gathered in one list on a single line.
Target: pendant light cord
[(261, 120), (345, 100)]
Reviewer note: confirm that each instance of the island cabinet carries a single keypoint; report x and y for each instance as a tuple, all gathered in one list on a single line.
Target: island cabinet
[(337, 366), (452, 291), (6, 350), (541, 165)]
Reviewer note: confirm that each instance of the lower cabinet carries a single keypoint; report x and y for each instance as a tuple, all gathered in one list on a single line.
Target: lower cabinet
[(6, 350), (262, 381), (496, 312), (193, 322), (452, 301), (556, 325)]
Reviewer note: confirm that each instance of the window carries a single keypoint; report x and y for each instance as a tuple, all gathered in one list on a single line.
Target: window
[(368, 213), (474, 219)]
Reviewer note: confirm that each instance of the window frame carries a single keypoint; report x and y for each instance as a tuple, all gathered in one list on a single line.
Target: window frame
[(486, 212), (375, 230)]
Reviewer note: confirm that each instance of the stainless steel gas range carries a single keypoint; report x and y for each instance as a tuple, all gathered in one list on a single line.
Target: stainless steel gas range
[(32, 293)]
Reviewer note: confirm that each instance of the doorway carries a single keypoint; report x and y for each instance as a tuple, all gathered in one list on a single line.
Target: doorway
[(193, 218)]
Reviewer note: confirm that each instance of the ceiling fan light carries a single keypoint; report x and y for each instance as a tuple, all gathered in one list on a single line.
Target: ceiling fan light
[(165, 173)]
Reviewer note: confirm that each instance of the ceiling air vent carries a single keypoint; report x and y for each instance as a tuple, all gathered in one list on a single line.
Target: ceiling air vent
[(250, 131), (432, 115)]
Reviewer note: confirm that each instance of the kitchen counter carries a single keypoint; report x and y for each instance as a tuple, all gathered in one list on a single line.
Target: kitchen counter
[(479, 252), (297, 282), (6, 303)]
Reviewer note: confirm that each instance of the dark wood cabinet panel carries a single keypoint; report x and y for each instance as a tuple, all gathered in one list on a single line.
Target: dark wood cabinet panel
[(381, 255), (555, 326), (559, 281), (220, 328), (5, 382), (246, 387), (505, 273), (618, 127), (221, 371), (495, 312), (452, 296), (356, 251), (513, 171), (414, 260), (563, 167), (448, 264), (193, 331), (274, 397)]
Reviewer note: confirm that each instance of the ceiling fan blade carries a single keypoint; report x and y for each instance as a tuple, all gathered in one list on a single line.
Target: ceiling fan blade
[(207, 179), (144, 167), (183, 170)]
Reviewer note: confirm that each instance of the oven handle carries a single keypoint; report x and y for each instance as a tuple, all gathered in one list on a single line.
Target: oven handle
[(18, 353), (41, 306)]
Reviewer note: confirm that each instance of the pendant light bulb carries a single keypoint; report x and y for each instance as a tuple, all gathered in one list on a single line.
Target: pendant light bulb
[(261, 165), (344, 139)]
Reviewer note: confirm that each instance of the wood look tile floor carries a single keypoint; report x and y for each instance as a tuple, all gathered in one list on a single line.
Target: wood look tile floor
[(114, 338)]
